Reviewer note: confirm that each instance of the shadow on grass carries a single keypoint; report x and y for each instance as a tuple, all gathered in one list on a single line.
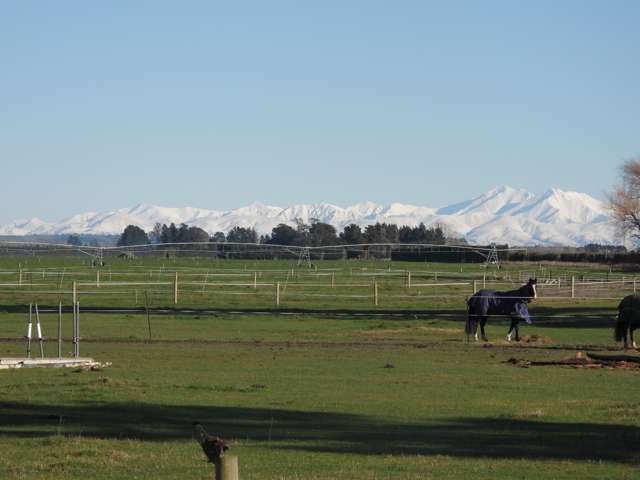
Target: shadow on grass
[(329, 432), (559, 317)]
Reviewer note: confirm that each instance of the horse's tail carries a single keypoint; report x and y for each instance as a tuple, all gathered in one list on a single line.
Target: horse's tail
[(620, 329), (470, 324)]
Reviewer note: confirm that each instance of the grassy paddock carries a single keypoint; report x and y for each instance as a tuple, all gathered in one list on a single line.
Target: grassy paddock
[(269, 284), (322, 397)]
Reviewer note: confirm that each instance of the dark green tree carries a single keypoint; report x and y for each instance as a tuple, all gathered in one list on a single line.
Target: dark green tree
[(436, 236), (197, 234), (302, 230), (381, 233), (283, 234), (242, 235), (183, 234), (352, 234), (133, 235), (173, 232), (322, 234), (169, 234), (405, 234), (219, 237), (74, 240), (419, 234), (155, 235)]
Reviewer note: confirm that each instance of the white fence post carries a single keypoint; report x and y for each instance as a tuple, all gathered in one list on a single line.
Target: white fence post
[(573, 287)]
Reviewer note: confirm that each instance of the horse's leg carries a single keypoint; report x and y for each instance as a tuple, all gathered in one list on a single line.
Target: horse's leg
[(633, 342), (483, 321), (510, 332), (624, 336), (513, 328)]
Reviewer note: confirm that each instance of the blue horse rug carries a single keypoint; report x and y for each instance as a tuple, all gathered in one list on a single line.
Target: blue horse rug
[(489, 302)]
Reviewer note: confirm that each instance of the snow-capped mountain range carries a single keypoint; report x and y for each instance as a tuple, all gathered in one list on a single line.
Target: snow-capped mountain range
[(502, 215)]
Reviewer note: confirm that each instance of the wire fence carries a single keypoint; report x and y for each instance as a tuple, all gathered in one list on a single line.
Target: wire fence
[(269, 287)]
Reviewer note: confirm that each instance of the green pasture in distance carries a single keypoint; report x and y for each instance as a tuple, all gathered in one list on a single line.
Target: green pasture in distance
[(318, 397), (251, 284), (37, 263)]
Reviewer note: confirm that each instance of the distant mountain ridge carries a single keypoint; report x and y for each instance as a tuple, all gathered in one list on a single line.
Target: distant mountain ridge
[(503, 214)]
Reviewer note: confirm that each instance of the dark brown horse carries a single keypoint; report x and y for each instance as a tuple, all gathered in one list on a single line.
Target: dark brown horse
[(484, 303), (628, 319)]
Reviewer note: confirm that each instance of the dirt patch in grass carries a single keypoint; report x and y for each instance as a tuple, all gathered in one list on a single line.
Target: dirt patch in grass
[(383, 332), (536, 340), (582, 360)]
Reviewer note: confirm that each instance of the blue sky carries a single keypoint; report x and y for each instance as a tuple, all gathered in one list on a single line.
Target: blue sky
[(219, 104)]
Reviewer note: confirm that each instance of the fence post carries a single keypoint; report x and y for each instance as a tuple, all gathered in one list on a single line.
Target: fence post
[(573, 287), (73, 330), (20, 276), (175, 290), (60, 330), (76, 330), (475, 286), (484, 279), (146, 307), (97, 278), (278, 293), (29, 327), (409, 280), (255, 280), (634, 284), (375, 293), (227, 467), (333, 279)]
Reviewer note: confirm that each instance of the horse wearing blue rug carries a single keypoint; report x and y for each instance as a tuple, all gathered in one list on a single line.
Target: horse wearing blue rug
[(513, 303), (628, 319)]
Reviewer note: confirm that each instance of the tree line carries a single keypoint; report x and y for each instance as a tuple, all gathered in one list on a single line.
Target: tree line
[(311, 235)]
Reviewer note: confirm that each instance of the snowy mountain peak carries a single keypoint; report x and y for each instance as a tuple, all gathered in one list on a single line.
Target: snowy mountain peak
[(498, 200), (503, 214), (502, 190)]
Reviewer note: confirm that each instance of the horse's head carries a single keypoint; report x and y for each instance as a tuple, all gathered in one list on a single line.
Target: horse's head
[(529, 290)]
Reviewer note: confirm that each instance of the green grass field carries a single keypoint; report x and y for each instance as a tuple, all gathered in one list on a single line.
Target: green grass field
[(310, 396)]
